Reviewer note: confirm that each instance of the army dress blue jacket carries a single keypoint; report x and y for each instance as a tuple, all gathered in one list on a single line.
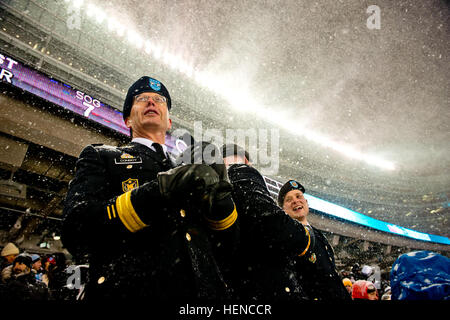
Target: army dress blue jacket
[(156, 249)]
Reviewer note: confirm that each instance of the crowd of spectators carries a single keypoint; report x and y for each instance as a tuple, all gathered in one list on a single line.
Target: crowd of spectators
[(418, 275), (33, 276)]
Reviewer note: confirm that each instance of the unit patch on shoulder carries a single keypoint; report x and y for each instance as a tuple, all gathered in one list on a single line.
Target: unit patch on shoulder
[(129, 184), (126, 158)]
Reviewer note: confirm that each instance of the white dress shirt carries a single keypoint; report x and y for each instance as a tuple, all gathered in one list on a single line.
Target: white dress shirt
[(148, 143)]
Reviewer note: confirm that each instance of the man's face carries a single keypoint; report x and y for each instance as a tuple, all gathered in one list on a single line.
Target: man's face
[(19, 267), (233, 159), (148, 116), (37, 265), (295, 205), (372, 293), (10, 258), (349, 288)]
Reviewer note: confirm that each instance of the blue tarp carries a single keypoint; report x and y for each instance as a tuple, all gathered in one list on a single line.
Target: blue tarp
[(420, 275)]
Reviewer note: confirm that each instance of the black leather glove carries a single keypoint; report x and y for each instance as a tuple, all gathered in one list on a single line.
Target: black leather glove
[(187, 181), (186, 186), (218, 206)]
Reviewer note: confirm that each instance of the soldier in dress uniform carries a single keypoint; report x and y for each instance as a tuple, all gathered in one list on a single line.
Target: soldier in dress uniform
[(316, 269), (147, 229), (270, 240)]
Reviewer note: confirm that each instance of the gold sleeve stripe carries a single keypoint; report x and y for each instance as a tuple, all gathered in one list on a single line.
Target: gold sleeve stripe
[(225, 223), (113, 211), (109, 213), (309, 243), (127, 214)]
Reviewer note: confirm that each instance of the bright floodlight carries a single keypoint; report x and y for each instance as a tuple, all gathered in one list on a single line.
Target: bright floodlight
[(157, 52), (100, 16), (120, 30), (135, 39), (344, 149), (78, 3), (112, 23), (148, 47), (241, 101), (238, 97), (90, 10)]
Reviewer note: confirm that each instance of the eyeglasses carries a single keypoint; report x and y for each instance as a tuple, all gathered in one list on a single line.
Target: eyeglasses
[(145, 99)]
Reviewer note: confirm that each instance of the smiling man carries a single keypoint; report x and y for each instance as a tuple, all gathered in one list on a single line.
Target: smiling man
[(141, 223), (316, 270), (294, 204)]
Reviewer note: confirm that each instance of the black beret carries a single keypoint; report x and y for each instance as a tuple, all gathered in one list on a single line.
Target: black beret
[(144, 84), (288, 186)]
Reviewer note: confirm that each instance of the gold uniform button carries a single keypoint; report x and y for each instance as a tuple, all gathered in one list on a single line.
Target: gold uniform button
[(182, 213), (101, 280), (188, 236)]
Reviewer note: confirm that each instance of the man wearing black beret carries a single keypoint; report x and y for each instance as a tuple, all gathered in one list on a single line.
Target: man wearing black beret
[(263, 268), (146, 228), (316, 270)]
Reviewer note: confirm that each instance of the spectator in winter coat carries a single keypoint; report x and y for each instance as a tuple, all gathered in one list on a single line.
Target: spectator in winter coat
[(57, 276), (348, 285), (356, 273), (387, 294), (316, 269), (23, 285), (36, 266), (364, 290), (9, 253)]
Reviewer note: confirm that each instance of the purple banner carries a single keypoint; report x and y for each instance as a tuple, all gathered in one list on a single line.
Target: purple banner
[(65, 96)]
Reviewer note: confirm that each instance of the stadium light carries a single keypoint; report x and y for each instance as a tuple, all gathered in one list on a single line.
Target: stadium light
[(120, 30), (242, 101), (238, 97), (90, 10), (148, 47), (77, 3), (112, 23), (157, 52), (100, 15)]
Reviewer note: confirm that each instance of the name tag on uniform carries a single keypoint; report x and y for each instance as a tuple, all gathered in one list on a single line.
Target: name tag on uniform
[(127, 159)]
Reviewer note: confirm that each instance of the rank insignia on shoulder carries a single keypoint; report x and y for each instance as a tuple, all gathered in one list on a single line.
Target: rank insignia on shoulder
[(312, 258), (126, 158), (129, 184)]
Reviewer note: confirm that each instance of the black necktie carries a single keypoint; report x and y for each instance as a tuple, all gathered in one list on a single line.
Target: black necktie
[(159, 150), (161, 155)]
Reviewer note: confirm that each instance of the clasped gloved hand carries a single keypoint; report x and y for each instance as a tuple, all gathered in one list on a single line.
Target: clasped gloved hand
[(186, 187), (218, 206), (190, 181)]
